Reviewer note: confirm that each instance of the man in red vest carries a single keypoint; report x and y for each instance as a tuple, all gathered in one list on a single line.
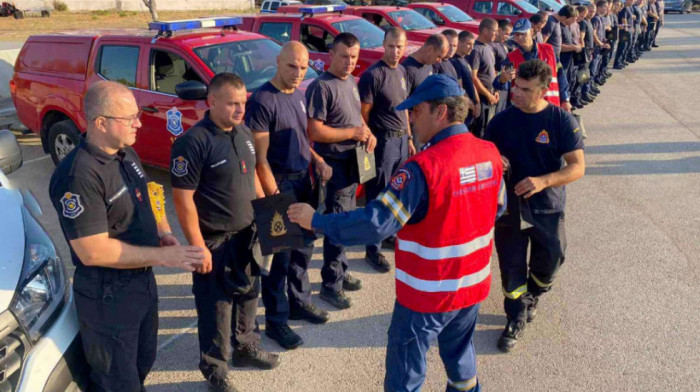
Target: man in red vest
[(535, 137), (442, 203)]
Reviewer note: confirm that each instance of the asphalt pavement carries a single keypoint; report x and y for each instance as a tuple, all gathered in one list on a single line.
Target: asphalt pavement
[(625, 308)]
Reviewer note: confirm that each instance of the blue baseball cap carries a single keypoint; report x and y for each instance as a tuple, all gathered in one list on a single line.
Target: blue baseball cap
[(433, 87), (522, 26)]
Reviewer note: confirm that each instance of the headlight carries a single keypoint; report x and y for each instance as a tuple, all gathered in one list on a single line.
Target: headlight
[(42, 286)]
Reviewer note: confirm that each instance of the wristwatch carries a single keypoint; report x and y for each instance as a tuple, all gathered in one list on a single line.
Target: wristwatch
[(160, 237), (410, 137)]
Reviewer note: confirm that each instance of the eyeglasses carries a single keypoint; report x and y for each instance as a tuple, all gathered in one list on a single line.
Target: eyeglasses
[(127, 120)]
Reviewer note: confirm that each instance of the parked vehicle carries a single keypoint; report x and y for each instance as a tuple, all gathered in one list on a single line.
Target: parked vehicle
[(496, 9), (418, 27), (40, 349), (446, 15), (680, 6), (271, 6), (316, 27), (546, 5), (168, 75)]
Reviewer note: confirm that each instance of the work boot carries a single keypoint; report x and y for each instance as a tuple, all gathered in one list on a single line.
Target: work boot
[(283, 335), (310, 313), (608, 74), (336, 298), (595, 90), (589, 97), (389, 243), (510, 335), (532, 308), (618, 66), (253, 355), (216, 384), (351, 283), (378, 262), (654, 45)]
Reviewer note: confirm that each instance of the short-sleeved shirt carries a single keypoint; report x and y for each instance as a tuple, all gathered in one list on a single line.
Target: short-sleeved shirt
[(553, 29), (220, 167), (335, 102), (284, 117), (384, 87), (535, 143), (626, 14), (445, 67), (500, 52), (94, 192), (539, 39), (598, 27), (464, 73), (416, 73), (483, 61), (567, 38), (587, 28), (638, 13), (575, 30)]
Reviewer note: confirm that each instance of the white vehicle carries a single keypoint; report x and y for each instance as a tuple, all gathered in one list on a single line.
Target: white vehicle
[(40, 349), (270, 6)]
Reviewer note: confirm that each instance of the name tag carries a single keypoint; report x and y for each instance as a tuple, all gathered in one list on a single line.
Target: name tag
[(116, 195), (217, 164)]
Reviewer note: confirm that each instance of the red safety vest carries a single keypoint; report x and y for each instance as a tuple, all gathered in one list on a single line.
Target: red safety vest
[(545, 52), (443, 263)]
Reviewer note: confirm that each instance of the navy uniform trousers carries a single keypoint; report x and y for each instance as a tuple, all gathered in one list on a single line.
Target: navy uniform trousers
[(226, 300), (523, 281), (340, 197), (391, 152), (289, 270), (118, 316)]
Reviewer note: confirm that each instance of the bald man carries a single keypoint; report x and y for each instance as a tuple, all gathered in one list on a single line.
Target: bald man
[(419, 65), (101, 194), (276, 114)]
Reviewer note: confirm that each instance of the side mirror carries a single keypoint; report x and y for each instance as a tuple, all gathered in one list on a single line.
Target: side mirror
[(10, 154), (517, 12), (191, 90)]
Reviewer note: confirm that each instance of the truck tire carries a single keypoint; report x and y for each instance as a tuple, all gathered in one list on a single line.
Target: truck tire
[(64, 136)]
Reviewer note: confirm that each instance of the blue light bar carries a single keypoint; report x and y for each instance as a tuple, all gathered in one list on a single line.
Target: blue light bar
[(322, 9), (189, 24)]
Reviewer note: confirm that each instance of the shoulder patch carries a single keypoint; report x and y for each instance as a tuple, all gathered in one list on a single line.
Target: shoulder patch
[(400, 179), (484, 170), (179, 166), (174, 123), (319, 64), (72, 208), (543, 137)]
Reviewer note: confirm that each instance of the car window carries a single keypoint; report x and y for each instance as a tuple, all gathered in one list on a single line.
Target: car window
[(376, 19), (119, 64), (483, 7), (265, 6), (454, 14), (168, 70), (274, 5), (255, 61), (411, 20), (315, 38), (280, 31), (527, 7), (506, 9), (370, 36)]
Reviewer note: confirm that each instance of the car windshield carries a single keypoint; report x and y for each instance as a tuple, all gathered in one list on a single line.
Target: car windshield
[(454, 14), (527, 7), (553, 5), (370, 36), (411, 20), (255, 61)]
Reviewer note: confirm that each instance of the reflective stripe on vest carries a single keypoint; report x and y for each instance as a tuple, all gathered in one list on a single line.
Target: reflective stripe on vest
[(441, 286), (446, 252)]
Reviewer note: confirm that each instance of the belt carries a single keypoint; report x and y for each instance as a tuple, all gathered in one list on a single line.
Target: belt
[(290, 176), (96, 271), (393, 133)]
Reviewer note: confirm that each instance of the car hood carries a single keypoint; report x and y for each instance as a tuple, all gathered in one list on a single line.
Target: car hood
[(11, 244)]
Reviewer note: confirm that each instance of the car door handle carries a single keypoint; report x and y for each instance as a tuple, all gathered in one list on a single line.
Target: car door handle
[(149, 109)]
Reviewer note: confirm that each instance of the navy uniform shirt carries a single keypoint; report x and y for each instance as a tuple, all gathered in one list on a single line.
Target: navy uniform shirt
[(404, 200), (587, 29), (598, 27), (220, 167), (500, 52), (638, 13), (535, 143), (553, 29), (567, 38), (94, 192), (626, 14), (335, 102), (416, 73), (483, 61), (464, 74), (384, 87), (284, 117), (445, 67)]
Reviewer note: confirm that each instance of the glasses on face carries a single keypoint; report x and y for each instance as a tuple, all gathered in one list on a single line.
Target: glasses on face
[(126, 120)]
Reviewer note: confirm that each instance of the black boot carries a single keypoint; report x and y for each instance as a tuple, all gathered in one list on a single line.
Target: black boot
[(283, 335), (253, 355), (509, 338)]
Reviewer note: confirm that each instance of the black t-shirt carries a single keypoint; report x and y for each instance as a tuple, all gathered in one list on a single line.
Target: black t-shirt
[(483, 61), (566, 39), (284, 117), (500, 52), (445, 67), (626, 14), (94, 192), (220, 167), (587, 28), (464, 74), (553, 29), (416, 73), (535, 144), (336, 102), (384, 87)]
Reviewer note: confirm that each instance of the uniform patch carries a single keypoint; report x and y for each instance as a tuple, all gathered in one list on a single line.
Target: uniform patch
[(115, 196), (137, 170), (403, 83), (250, 146), (355, 93), (303, 106), (319, 64), (138, 194), (399, 181), (217, 164), (71, 205), (484, 170), (543, 137), (467, 175), (174, 123), (179, 166), (576, 130)]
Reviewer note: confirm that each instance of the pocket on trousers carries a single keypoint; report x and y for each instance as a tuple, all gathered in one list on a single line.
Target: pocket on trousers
[(99, 345)]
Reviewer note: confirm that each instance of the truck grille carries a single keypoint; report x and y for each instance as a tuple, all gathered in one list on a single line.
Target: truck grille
[(13, 344)]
